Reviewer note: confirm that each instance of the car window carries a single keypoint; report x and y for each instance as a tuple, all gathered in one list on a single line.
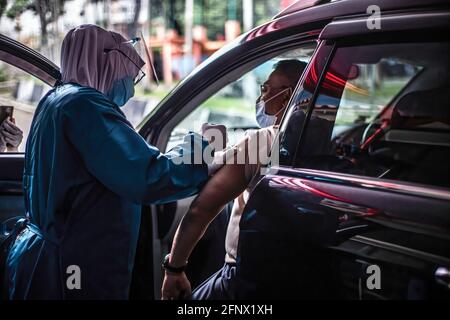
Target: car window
[(234, 105), (383, 111), (20, 93), (293, 122)]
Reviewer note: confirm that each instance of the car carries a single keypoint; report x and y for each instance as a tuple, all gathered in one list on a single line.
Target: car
[(358, 204)]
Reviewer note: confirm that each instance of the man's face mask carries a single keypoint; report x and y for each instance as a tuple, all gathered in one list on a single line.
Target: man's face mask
[(266, 120), (121, 91)]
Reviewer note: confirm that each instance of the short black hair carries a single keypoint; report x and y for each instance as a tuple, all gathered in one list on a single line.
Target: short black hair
[(291, 68)]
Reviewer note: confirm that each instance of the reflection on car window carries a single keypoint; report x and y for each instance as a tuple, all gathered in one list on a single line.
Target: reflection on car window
[(22, 92), (369, 89), (234, 105), (383, 111), (296, 115)]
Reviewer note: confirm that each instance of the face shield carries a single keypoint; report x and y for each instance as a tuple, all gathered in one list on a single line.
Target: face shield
[(137, 54), (144, 51)]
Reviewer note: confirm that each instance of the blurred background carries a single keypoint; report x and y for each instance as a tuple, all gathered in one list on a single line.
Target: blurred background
[(180, 33)]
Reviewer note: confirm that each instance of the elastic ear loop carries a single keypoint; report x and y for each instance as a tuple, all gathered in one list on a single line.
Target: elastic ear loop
[(279, 111)]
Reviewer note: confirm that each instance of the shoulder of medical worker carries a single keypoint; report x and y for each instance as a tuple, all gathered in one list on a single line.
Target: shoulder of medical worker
[(80, 100)]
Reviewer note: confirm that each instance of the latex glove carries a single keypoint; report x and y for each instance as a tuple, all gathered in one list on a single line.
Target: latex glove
[(216, 134), (11, 134)]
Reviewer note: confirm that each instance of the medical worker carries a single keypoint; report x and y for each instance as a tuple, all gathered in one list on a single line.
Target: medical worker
[(87, 172)]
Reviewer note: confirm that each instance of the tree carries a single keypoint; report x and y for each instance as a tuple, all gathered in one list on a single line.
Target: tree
[(132, 30), (3, 4), (47, 10)]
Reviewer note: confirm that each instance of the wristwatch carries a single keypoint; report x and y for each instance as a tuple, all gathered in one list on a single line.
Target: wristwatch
[(166, 266)]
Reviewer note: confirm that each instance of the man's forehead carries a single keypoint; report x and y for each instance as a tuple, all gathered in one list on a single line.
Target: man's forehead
[(278, 78)]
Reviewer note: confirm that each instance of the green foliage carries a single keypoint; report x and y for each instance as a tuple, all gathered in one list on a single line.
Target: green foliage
[(264, 10), (3, 4), (55, 7), (18, 7), (212, 13), (216, 12), (47, 11)]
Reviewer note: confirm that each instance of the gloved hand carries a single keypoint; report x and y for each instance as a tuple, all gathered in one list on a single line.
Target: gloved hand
[(216, 134), (10, 135)]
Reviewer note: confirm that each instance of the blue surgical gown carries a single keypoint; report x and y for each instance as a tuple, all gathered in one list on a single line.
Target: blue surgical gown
[(86, 174)]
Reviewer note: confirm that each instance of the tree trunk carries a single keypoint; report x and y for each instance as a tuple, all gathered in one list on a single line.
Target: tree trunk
[(2, 8), (41, 9), (133, 27)]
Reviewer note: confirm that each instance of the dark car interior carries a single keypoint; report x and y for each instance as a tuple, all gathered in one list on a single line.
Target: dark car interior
[(408, 140), (417, 139)]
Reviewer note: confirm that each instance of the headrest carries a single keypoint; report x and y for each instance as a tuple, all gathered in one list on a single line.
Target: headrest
[(423, 107)]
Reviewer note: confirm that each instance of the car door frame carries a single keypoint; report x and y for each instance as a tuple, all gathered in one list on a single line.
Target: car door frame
[(35, 64), (46, 70), (210, 79)]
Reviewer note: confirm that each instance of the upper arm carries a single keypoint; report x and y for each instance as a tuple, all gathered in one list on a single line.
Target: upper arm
[(228, 183)]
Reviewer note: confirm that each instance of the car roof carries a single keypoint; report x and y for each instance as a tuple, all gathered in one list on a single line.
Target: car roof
[(297, 15), (300, 5)]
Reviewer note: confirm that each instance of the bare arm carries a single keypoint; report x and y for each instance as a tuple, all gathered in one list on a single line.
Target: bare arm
[(224, 186)]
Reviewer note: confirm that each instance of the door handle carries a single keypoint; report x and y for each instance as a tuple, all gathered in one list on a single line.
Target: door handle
[(442, 276)]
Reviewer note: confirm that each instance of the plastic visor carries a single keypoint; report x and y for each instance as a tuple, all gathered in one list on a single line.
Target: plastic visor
[(145, 52)]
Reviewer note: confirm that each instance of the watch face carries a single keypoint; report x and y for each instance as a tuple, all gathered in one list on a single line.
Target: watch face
[(166, 259)]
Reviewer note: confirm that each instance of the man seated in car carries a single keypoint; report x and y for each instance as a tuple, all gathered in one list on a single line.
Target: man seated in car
[(233, 181)]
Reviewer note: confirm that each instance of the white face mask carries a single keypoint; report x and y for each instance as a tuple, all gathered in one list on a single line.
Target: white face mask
[(266, 120)]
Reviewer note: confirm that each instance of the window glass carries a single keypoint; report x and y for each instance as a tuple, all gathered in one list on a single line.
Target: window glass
[(234, 105), (383, 111), (293, 124)]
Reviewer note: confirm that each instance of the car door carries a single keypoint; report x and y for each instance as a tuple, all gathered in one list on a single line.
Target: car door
[(365, 216), (26, 75), (160, 129)]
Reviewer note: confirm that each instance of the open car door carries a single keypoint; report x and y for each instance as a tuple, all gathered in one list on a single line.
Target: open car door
[(14, 55)]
